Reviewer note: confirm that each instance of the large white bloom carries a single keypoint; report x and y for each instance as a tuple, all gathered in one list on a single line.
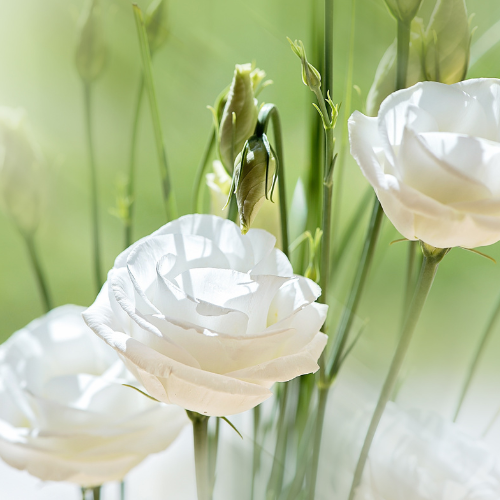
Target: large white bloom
[(207, 318), (64, 413), (421, 456), (433, 157)]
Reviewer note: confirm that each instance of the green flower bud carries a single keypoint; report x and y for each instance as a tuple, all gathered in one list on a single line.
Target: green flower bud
[(20, 165), (241, 103), (90, 57), (255, 177), (310, 75), (156, 24), (447, 44), (404, 10), (385, 76)]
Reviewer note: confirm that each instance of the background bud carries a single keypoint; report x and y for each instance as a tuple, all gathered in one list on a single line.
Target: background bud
[(404, 10), (310, 75), (447, 42), (385, 76), (219, 184), (90, 57), (241, 101), (256, 162), (156, 24), (20, 179)]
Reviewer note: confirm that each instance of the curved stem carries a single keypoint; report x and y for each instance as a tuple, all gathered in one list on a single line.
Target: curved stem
[(39, 274), (432, 258), (96, 245), (166, 185), (277, 472), (200, 435), (270, 112), (477, 358), (256, 448), (131, 171), (198, 182), (320, 417)]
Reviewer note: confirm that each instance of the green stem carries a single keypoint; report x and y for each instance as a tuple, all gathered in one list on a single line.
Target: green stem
[(485, 338), (39, 274), (200, 435), (357, 288), (276, 479), (167, 191), (432, 258), (198, 183), (131, 171), (93, 189), (320, 417), (270, 112), (345, 133), (122, 489), (403, 53), (256, 448), (410, 267), (328, 48), (213, 448), (352, 225)]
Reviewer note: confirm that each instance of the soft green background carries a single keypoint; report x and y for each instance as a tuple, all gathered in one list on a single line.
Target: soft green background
[(207, 38)]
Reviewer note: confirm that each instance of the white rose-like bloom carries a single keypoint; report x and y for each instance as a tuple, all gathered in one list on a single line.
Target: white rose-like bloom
[(433, 158), (207, 318), (421, 456), (64, 413)]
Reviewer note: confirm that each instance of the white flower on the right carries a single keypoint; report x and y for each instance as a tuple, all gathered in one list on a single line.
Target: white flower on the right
[(433, 158), (421, 456)]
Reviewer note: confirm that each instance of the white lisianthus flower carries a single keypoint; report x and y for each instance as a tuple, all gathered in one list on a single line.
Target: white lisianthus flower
[(433, 158), (64, 413), (207, 318), (421, 456)]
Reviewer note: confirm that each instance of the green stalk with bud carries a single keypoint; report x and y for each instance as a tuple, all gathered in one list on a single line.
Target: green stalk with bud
[(90, 60)]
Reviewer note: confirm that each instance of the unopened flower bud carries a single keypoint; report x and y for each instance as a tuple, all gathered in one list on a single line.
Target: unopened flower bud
[(156, 24), (20, 164), (242, 104), (447, 44), (384, 83), (90, 57), (310, 75), (403, 10), (255, 175), (219, 185)]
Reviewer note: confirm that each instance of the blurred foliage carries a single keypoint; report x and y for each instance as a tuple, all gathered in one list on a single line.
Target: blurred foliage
[(206, 39)]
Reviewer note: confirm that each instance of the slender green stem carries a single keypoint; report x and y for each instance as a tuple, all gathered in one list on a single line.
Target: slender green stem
[(351, 227), (328, 48), (320, 417), (131, 171), (485, 338), (357, 288), (270, 112), (96, 245), (39, 274), (345, 134), (277, 472), (403, 53), (200, 435), (432, 258), (410, 281), (122, 489), (256, 448), (168, 193), (213, 449), (198, 183)]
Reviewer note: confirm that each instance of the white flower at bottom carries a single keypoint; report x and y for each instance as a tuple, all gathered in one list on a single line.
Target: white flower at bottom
[(207, 318), (64, 413), (421, 456)]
